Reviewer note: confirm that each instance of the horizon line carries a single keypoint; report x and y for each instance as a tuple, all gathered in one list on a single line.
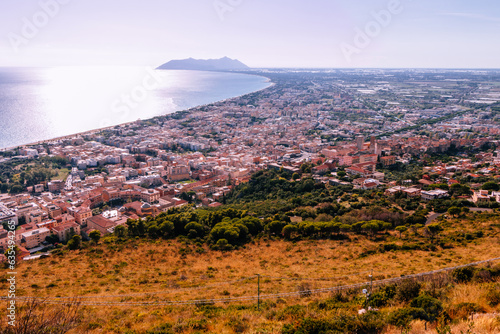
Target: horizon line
[(267, 67)]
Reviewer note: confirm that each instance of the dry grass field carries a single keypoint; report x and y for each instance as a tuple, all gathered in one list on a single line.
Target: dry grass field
[(140, 271)]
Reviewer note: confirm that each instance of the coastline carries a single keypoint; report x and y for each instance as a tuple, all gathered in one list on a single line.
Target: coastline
[(96, 130)]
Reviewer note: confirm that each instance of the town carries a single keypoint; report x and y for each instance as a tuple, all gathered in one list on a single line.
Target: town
[(419, 134)]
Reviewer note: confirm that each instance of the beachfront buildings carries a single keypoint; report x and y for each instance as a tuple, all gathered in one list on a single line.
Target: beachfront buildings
[(143, 168)]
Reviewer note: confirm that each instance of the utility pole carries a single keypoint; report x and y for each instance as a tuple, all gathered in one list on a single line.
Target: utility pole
[(368, 294), (371, 282), (258, 291)]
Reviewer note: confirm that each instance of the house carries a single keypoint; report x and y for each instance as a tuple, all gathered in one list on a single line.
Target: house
[(321, 170), (434, 194), (81, 214), (178, 173), (56, 186), (394, 190), (483, 196), (369, 166), (425, 182), (412, 192), (480, 196), (358, 171), (370, 184), (53, 210), (150, 196), (109, 195), (35, 237), (7, 215), (63, 219), (4, 239), (66, 231), (388, 160), (100, 223)]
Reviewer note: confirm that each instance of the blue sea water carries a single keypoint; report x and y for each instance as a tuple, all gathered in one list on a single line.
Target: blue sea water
[(44, 103)]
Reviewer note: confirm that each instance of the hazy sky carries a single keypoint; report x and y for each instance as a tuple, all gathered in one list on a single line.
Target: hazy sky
[(260, 33)]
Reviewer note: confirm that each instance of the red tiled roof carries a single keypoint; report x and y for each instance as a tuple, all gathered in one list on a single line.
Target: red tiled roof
[(101, 221)]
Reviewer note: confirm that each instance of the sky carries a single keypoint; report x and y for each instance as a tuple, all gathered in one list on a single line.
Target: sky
[(260, 33)]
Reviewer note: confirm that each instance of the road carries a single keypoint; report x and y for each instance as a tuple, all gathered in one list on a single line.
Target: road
[(435, 215)]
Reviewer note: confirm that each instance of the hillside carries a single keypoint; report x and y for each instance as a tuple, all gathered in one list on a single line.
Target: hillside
[(139, 271), (222, 64), (283, 255)]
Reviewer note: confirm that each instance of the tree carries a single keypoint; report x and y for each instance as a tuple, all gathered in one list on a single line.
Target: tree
[(433, 229), (401, 230), (223, 244), (490, 185), (458, 189), (454, 211), (16, 189), (185, 196), (372, 227), (21, 220), (345, 228), (233, 232), (120, 231), (95, 236), (288, 231), (295, 176), (416, 227), (153, 230), (52, 239), (415, 219), (305, 168), (275, 227), (75, 242), (194, 230)]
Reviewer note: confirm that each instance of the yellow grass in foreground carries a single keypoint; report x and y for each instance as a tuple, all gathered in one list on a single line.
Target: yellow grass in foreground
[(161, 268)]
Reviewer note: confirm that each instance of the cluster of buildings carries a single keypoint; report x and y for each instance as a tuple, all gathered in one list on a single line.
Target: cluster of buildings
[(144, 168)]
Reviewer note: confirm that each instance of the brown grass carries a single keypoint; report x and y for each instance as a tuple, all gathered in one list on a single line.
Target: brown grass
[(142, 266)]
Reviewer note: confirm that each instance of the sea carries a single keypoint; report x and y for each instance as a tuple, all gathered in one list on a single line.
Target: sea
[(44, 103)]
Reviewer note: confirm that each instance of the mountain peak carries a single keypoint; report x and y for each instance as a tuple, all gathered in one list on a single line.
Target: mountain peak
[(222, 64)]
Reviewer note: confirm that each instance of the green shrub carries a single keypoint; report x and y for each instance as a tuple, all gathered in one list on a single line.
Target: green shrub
[(223, 244), (193, 324), (309, 326), (208, 310), (462, 275), (390, 247), (407, 290), (238, 325), (378, 299), (162, 329), (338, 300), (389, 290), (464, 310), (292, 312), (432, 306), (368, 323), (493, 296), (402, 317), (95, 324), (483, 275)]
